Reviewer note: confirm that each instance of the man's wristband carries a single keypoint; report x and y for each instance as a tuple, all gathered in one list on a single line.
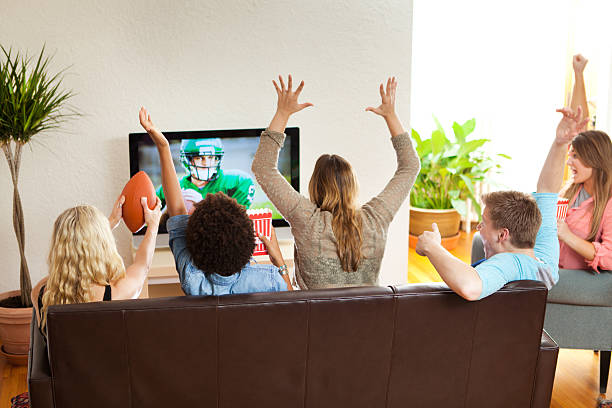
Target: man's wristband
[(283, 270)]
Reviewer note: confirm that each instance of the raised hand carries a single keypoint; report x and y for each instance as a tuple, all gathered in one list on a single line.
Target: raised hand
[(287, 98), (117, 212), (570, 125), (579, 62), (387, 95), (147, 124), (427, 239)]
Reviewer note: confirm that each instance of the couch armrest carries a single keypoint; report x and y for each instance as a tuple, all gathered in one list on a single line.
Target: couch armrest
[(545, 372), (40, 383)]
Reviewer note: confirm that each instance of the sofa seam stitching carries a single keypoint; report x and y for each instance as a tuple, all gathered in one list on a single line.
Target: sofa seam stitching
[(126, 351), (395, 308), (467, 383), (307, 354), (218, 350), (535, 376)]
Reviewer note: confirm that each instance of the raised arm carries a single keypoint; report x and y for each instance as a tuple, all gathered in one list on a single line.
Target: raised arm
[(130, 286), (265, 161), (170, 184), (459, 276), (551, 175), (579, 93), (388, 202)]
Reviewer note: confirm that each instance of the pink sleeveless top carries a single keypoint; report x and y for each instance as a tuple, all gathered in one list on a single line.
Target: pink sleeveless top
[(579, 222)]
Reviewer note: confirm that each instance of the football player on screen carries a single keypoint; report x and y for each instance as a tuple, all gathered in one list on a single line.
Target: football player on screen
[(202, 161)]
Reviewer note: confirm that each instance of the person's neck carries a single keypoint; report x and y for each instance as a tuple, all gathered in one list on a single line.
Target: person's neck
[(525, 251), (588, 186)]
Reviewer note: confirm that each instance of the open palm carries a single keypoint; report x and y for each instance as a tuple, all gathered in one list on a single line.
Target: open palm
[(387, 96), (288, 98)]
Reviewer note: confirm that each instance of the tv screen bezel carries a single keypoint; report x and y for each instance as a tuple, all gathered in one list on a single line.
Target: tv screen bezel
[(293, 136)]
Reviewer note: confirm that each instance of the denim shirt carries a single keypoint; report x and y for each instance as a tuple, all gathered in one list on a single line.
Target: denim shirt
[(252, 278)]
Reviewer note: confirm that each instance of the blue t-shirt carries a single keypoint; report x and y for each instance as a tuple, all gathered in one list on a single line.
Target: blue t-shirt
[(252, 278), (506, 267)]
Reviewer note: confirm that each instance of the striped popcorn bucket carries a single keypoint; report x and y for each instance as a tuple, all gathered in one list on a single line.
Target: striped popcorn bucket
[(562, 205), (262, 224)]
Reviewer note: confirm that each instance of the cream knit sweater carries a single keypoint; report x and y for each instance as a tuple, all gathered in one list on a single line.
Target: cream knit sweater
[(316, 261)]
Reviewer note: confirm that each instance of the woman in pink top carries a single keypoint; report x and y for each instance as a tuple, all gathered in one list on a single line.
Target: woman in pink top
[(585, 237)]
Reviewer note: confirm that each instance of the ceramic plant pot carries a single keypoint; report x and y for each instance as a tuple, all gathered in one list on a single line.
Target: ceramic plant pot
[(15, 327), (448, 223)]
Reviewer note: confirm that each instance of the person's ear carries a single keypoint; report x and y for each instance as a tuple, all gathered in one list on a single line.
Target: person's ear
[(503, 235)]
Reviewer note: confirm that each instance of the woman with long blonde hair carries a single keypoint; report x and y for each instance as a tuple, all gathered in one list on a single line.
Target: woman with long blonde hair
[(84, 265), (337, 242)]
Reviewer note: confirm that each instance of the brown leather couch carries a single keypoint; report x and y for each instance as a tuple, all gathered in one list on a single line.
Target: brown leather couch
[(407, 346)]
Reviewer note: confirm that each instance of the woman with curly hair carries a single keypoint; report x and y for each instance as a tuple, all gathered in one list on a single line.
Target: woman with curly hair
[(84, 265), (337, 243)]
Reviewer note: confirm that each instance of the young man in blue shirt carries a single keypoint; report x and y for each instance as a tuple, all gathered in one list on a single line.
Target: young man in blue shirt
[(212, 248), (519, 231)]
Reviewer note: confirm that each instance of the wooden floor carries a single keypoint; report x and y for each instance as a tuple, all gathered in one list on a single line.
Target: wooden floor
[(576, 380)]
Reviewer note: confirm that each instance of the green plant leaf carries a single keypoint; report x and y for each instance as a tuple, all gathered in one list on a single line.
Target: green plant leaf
[(438, 142), (468, 127), (424, 148), (459, 133), (416, 137), (505, 156), (439, 126), (469, 147), (468, 183), (460, 206), (454, 194)]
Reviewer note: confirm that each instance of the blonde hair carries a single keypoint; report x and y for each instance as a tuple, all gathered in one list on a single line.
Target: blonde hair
[(594, 150), (83, 253), (333, 188)]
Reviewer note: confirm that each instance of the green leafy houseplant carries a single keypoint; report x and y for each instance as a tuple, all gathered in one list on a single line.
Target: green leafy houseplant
[(449, 168), (31, 101)]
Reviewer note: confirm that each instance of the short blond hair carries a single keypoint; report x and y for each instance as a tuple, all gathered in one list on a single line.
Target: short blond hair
[(83, 253), (518, 212)]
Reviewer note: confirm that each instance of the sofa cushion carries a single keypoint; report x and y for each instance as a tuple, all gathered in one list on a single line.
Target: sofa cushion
[(582, 287)]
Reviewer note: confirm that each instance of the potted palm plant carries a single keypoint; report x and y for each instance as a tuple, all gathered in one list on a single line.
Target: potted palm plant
[(31, 101), (449, 170)]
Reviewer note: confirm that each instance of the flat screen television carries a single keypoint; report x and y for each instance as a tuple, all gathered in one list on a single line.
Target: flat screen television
[(222, 156)]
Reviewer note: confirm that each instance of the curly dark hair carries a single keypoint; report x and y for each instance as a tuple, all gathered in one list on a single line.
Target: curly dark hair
[(220, 235)]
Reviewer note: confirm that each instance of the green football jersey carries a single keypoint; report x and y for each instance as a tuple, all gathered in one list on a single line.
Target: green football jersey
[(234, 183)]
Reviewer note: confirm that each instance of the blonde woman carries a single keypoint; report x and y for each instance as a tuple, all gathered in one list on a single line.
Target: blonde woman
[(84, 265), (337, 243)]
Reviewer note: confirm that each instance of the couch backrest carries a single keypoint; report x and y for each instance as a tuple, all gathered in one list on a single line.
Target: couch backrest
[(420, 345)]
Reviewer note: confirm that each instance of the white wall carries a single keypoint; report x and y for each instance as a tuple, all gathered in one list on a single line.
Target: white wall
[(501, 64), (202, 65), (506, 65)]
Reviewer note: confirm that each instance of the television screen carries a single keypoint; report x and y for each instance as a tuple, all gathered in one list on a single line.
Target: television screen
[(215, 160)]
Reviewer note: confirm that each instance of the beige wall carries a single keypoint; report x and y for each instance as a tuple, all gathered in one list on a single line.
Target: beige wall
[(202, 65)]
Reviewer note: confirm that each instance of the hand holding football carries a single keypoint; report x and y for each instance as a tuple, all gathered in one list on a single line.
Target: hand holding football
[(139, 186)]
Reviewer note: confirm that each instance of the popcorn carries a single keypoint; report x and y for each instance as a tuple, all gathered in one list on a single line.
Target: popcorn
[(562, 206), (262, 224)]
